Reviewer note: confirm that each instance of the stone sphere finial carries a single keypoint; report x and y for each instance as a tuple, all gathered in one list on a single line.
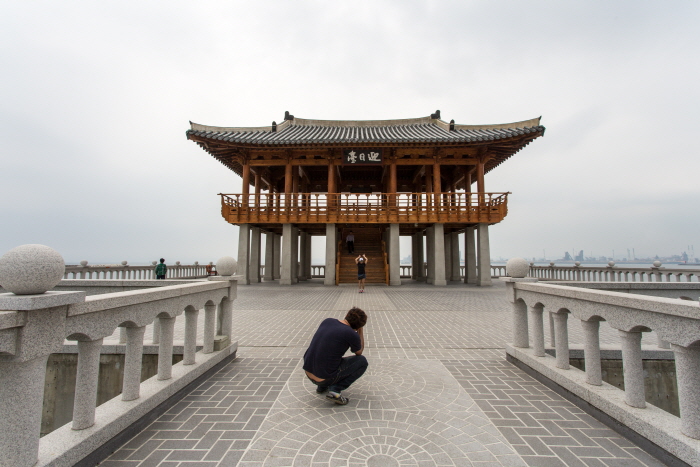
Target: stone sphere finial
[(177, 263), (226, 266), (31, 269), (517, 268), (196, 263), (657, 263), (551, 263), (84, 263), (154, 263), (124, 263), (611, 263), (577, 263)]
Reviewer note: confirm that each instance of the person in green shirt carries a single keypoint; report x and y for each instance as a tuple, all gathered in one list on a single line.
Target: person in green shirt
[(161, 269)]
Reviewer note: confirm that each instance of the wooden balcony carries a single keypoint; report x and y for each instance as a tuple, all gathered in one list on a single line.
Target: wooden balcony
[(374, 208)]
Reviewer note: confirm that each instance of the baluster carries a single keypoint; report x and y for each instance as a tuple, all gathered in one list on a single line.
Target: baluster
[(209, 327), (662, 344), (156, 331), (520, 332), (165, 350), (190, 335), (562, 339), (122, 335), (131, 386), (552, 334), (688, 379), (591, 351), (85, 399), (632, 368), (536, 315)]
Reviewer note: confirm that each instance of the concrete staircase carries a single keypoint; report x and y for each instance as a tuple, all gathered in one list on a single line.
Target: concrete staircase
[(368, 242)]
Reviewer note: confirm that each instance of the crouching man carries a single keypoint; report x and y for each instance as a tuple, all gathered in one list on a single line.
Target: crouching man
[(324, 363)]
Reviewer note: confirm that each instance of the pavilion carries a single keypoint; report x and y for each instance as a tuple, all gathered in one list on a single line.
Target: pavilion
[(379, 179)]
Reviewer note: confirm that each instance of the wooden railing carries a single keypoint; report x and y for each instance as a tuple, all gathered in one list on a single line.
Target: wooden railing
[(363, 207)]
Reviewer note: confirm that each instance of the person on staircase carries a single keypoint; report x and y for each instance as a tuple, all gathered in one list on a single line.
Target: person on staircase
[(361, 262), (350, 242), (324, 363)]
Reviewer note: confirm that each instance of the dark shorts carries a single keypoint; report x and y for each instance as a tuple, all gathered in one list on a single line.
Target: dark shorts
[(160, 276), (361, 276)]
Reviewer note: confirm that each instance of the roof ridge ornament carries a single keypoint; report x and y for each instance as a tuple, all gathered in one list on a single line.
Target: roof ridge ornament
[(436, 115), (274, 126), (452, 125), (288, 116)]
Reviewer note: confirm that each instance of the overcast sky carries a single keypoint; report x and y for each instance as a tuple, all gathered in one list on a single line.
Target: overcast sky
[(97, 96)]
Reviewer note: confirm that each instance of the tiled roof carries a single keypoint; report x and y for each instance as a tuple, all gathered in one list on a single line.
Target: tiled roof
[(420, 130)]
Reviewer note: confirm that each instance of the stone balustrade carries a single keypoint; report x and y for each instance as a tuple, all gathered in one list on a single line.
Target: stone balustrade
[(615, 273), (407, 271), (124, 271), (35, 323), (675, 322)]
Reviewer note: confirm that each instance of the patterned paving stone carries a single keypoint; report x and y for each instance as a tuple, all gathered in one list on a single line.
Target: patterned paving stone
[(438, 391)]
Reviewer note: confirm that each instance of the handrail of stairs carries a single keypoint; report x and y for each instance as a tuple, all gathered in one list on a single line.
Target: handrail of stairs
[(386, 263), (337, 263)]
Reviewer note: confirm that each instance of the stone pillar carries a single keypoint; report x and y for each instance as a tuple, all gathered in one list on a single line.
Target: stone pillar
[(536, 316), (447, 241), (456, 274), (469, 256), (307, 256), (269, 256), (277, 255), (191, 315), (417, 256), (439, 254), (288, 247), (394, 255), (688, 377), (562, 332), (591, 351), (430, 251), (165, 350), (331, 253), (244, 252), (254, 271), (295, 255), (303, 246), (633, 371), (85, 399), (520, 331), (209, 327), (484, 255), (131, 385)]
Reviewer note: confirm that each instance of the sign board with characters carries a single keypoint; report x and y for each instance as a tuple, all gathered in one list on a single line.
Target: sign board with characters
[(362, 157)]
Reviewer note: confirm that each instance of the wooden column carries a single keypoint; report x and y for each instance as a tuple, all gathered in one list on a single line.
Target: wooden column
[(246, 183), (258, 186), (428, 185), (288, 183), (437, 186), (392, 183), (331, 184)]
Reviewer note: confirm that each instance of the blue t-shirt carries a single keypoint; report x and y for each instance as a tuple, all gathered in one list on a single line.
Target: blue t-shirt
[(329, 344)]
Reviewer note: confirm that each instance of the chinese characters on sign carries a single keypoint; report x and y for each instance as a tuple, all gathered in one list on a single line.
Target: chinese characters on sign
[(362, 156)]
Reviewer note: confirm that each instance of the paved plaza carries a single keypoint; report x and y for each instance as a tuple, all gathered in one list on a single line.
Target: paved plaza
[(438, 391)]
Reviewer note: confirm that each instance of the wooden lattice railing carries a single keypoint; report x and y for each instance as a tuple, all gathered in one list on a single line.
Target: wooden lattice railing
[(364, 207)]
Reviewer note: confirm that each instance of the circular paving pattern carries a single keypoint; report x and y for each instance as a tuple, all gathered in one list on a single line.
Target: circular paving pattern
[(325, 438), (389, 385)]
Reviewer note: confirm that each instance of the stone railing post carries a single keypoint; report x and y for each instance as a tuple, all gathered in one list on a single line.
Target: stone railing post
[(517, 269), (632, 368), (209, 327), (536, 315), (688, 377), (226, 267), (165, 349), (191, 315), (29, 335), (591, 353), (85, 399), (131, 386), (561, 331)]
